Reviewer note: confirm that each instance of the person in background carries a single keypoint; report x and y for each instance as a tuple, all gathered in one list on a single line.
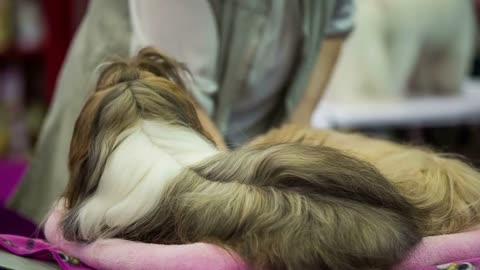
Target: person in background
[(254, 64)]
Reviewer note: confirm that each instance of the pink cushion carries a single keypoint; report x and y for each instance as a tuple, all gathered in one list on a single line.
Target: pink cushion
[(121, 254)]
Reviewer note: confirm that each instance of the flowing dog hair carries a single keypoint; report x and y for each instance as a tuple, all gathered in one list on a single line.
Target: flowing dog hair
[(444, 189), (143, 168)]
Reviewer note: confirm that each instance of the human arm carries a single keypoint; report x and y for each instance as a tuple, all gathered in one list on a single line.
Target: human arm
[(322, 72), (336, 33)]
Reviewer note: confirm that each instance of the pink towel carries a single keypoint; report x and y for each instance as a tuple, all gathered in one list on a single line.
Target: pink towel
[(118, 254), (443, 249), (122, 254)]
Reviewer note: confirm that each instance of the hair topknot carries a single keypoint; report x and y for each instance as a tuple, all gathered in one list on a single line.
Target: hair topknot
[(148, 62)]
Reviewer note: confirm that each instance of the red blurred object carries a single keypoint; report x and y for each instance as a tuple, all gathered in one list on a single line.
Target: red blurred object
[(60, 29), (14, 53), (62, 19)]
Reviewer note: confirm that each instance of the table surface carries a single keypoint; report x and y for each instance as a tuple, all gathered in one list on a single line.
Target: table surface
[(10, 261), (421, 111)]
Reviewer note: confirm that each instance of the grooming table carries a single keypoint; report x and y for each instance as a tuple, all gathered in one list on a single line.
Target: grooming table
[(13, 262), (413, 112)]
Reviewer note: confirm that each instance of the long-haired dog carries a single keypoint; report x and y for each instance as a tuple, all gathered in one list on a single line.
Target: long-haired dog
[(445, 190), (401, 48), (143, 168)]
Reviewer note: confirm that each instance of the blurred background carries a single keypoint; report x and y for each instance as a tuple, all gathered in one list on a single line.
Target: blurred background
[(35, 35)]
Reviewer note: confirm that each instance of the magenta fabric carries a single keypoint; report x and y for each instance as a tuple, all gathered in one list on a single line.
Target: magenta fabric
[(40, 250), (11, 172), (13, 223)]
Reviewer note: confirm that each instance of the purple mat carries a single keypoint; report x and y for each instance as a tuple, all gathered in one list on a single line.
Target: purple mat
[(13, 223), (11, 172)]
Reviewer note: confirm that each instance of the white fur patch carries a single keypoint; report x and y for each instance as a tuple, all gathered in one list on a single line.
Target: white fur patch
[(148, 158)]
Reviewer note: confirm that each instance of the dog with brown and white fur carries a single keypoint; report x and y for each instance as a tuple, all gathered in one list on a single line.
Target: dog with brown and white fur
[(144, 168)]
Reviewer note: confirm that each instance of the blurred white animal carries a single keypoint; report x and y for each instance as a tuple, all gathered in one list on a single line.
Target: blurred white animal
[(405, 47)]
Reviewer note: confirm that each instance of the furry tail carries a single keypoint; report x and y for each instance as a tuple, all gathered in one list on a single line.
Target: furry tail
[(287, 206)]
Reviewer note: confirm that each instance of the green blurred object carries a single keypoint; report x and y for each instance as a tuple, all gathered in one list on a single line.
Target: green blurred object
[(10, 261), (6, 33)]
